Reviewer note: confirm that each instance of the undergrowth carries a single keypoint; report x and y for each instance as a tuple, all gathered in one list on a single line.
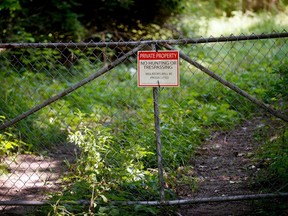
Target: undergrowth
[(273, 154)]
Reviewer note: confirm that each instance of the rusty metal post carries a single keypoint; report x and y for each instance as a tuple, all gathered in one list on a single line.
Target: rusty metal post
[(158, 140)]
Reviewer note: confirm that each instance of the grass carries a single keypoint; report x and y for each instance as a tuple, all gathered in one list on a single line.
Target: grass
[(240, 23)]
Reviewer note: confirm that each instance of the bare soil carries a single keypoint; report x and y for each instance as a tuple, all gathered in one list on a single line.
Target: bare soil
[(33, 178), (225, 167)]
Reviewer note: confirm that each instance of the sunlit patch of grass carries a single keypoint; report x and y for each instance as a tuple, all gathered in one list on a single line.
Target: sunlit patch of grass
[(239, 23)]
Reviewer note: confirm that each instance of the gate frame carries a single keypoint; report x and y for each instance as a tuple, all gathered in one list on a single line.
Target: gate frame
[(138, 45)]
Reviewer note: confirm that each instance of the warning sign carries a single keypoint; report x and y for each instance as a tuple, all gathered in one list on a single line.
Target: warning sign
[(159, 68)]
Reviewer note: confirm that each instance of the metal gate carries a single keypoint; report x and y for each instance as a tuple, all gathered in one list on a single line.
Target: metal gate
[(77, 130)]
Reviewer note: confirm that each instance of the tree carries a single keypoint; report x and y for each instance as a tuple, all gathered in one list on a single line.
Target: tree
[(55, 20)]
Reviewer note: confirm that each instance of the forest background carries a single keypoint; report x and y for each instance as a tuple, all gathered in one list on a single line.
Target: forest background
[(74, 20)]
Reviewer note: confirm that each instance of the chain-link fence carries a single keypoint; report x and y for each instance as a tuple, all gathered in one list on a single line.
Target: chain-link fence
[(77, 130)]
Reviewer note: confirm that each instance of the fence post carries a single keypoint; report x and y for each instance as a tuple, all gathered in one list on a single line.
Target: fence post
[(158, 140)]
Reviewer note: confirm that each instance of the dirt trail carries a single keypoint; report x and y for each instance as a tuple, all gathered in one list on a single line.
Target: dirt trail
[(32, 178), (225, 168)]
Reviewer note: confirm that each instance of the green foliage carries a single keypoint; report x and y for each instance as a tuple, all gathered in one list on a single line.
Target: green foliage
[(62, 23), (117, 20), (31, 129), (274, 153), (99, 153), (279, 91), (212, 8), (106, 170), (33, 76), (11, 5), (213, 17), (7, 145), (273, 156), (10, 143), (82, 20)]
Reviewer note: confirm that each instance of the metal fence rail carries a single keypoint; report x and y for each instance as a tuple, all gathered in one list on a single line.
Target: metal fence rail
[(230, 38), (75, 108)]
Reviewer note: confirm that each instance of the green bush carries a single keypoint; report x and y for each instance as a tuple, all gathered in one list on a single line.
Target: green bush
[(278, 93), (274, 153), (273, 157), (10, 143), (107, 170)]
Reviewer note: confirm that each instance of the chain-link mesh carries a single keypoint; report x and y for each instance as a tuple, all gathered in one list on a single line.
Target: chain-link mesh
[(96, 139)]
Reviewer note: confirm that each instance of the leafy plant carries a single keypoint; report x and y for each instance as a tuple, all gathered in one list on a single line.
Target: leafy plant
[(106, 170), (272, 157), (271, 160), (10, 143), (278, 93)]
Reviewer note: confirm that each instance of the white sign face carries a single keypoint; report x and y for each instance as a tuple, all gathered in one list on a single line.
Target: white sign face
[(159, 68)]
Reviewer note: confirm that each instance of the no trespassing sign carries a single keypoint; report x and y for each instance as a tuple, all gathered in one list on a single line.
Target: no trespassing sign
[(158, 68)]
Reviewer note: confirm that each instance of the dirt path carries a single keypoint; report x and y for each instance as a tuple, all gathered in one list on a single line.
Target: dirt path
[(224, 167), (32, 178)]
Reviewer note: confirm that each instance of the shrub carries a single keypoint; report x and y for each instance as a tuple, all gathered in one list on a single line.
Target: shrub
[(107, 170)]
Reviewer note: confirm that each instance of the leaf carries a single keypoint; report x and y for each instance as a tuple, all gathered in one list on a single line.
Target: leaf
[(104, 198)]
